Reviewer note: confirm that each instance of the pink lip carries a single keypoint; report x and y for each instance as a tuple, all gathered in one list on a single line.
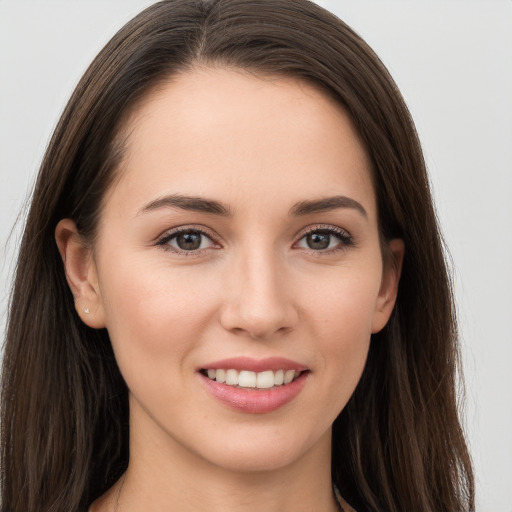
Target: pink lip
[(255, 365), (254, 401)]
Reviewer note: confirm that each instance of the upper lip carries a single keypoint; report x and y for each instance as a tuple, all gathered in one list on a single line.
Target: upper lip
[(255, 365)]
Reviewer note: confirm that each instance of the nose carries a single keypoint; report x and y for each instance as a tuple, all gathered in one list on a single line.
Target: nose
[(259, 297)]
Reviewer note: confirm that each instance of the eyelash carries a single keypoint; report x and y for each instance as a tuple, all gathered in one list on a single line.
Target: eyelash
[(345, 239), (167, 237)]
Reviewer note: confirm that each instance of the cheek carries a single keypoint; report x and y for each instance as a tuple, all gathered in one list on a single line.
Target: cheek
[(342, 320), (345, 302), (154, 315)]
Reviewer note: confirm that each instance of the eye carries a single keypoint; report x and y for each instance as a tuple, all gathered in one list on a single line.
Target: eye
[(325, 239), (187, 240)]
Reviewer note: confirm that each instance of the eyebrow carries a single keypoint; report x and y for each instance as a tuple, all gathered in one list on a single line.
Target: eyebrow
[(327, 204), (190, 203), (203, 205)]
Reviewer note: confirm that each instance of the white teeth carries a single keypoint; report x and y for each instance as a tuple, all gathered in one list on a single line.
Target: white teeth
[(265, 380), (247, 379), (232, 377), (289, 376)]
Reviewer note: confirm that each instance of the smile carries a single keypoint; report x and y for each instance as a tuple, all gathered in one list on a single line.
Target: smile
[(253, 380), (254, 386)]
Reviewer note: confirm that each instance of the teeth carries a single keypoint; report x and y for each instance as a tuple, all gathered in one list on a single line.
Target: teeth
[(265, 380), (246, 379), (232, 377), (289, 375)]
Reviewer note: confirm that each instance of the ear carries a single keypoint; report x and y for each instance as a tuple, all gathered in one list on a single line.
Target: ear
[(81, 274), (386, 299)]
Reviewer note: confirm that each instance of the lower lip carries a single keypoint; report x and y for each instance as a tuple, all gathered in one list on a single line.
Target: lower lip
[(255, 401)]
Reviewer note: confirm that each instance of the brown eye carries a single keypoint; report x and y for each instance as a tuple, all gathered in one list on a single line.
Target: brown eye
[(318, 240), (188, 240), (325, 240)]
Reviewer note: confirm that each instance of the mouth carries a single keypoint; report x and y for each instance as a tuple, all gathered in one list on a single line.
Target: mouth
[(247, 379), (254, 386)]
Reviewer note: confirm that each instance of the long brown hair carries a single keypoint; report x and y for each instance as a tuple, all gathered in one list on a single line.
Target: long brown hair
[(398, 444)]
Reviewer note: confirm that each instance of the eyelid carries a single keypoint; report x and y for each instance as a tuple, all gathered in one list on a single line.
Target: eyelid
[(317, 226), (163, 239), (346, 239)]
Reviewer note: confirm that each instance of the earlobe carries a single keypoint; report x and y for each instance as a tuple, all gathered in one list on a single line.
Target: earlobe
[(81, 274), (389, 285)]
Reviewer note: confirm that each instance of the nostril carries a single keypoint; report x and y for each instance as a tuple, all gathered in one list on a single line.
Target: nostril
[(258, 325)]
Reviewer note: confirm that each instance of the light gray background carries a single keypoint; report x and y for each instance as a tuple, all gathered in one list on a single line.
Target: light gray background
[(452, 59)]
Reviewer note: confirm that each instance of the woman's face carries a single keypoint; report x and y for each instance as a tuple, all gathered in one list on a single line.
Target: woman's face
[(240, 242)]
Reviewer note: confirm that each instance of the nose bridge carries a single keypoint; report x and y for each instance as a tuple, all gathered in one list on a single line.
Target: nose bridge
[(259, 303)]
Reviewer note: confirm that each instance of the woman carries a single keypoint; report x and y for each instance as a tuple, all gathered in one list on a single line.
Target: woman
[(235, 281)]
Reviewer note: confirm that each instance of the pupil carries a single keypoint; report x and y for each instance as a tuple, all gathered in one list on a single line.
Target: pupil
[(318, 240), (189, 241)]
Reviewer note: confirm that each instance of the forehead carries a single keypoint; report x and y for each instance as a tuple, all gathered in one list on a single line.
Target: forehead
[(232, 134)]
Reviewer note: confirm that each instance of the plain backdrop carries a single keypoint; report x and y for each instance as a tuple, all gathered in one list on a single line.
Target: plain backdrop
[(452, 59)]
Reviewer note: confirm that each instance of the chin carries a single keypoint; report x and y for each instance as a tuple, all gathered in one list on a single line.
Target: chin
[(262, 451), (255, 459)]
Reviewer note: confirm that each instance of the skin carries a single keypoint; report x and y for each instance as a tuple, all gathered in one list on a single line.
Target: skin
[(256, 288)]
